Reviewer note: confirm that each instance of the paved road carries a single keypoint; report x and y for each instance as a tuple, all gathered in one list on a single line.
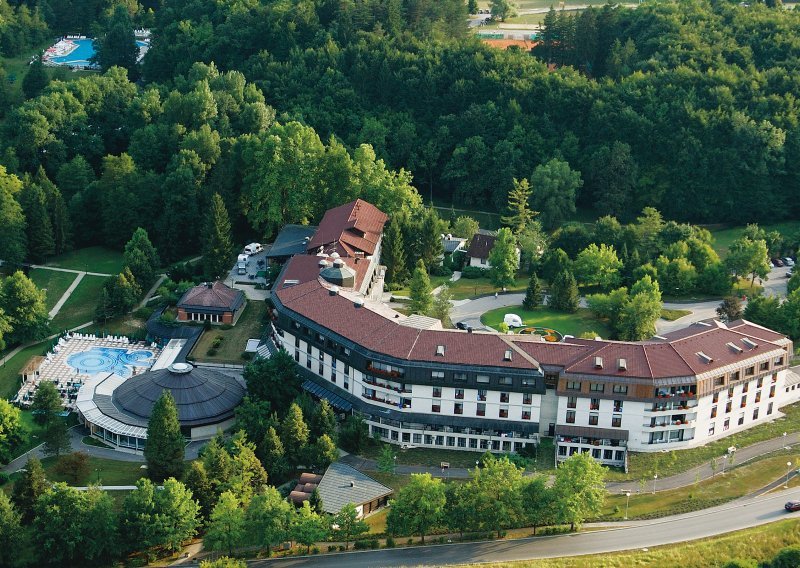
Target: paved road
[(637, 534)]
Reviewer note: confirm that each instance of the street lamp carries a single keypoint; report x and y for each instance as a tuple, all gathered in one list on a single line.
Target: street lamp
[(627, 501), (655, 478), (788, 472)]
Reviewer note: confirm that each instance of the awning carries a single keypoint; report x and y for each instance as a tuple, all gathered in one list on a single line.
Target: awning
[(321, 392), (587, 432)]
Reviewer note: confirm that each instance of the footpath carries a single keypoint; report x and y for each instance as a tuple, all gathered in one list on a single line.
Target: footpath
[(685, 479)]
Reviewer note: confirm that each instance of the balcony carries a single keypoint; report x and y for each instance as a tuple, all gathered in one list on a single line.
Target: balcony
[(375, 383), (386, 401), (383, 372)]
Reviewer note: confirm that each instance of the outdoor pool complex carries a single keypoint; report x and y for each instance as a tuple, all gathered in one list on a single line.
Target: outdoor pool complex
[(82, 54), (109, 360)]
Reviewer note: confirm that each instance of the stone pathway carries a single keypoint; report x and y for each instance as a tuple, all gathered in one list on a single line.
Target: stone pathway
[(65, 296), (150, 292), (45, 267)]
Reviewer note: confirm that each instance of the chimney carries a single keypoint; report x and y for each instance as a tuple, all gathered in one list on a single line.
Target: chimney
[(352, 484), (598, 362)]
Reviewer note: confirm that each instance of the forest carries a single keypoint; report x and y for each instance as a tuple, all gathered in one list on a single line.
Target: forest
[(287, 108)]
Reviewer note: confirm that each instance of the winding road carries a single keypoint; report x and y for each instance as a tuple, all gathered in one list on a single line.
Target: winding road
[(634, 535)]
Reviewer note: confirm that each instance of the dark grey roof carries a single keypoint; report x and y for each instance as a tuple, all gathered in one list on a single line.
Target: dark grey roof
[(203, 396), (339, 274), (291, 241), (156, 329), (451, 245), (336, 491), (321, 392)]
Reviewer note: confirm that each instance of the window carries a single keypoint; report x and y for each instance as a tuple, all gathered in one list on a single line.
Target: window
[(715, 398), (772, 391), (764, 366), (417, 438), (526, 413), (321, 368), (744, 402), (616, 420), (462, 442), (473, 443), (526, 382), (594, 404), (730, 392), (741, 419), (711, 429), (460, 394), (346, 351), (750, 371), (713, 412), (481, 411), (481, 394), (439, 440), (297, 356), (308, 348), (745, 388), (436, 407), (620, 389), (527, 398), (774, 377), (596, 453), (593, 419), (451, 441), (573, 385), (483, 379), (769, 409), (728, 406), (597, 387), (347, 370), (458, 408), (726, 425), (503, 412), (779, 361), (758, 397), (503, 397), (308, 361), (572, 402), (460, 377), (617, 406), (608, 454), (506, 381), (760, 382), (719, 381), (437, 374), (297, 342), (735, 376), (570, 417), (755, 414), (437, 392)]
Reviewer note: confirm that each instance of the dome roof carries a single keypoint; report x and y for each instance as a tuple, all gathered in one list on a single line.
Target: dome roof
[(339, 274), (202, 396)]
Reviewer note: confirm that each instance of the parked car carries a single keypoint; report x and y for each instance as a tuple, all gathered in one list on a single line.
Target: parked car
[(793, 505), (461, 325), (788, 261), (777, 262)]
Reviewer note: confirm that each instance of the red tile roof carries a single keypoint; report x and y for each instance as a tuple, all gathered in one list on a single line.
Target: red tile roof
[(216, 295), (305, 268), (348, 229)]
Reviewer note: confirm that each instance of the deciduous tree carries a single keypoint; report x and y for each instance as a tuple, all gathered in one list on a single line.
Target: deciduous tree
[(226, 529), (348, 525), (274, 379), (308, 526), (555, 190), (25, 308), (504, 259), (579, 489), (29, 488), (268, 519), (418, 507)]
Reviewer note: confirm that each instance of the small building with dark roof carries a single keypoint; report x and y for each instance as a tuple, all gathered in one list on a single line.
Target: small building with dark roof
[(343, 484), (292, 240), (213, 302), (118, 410), (479, 249)]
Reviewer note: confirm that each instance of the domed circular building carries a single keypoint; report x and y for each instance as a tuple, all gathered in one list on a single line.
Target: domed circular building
[(118, 410)]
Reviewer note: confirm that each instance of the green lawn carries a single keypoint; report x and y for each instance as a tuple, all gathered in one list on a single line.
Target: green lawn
[(90, 259), (53, 282), (9, 373), (575, 324), (759, 543), (464, 288), (672, 315), (109, 472), (736, 483), (642, 465), (436, 281), (80, 306), (234, 339), (724, 237), (486, 219), (131, 325)]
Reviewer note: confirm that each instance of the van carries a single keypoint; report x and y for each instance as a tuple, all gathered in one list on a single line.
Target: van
[(512, 320), (241, 268), (253, 248)]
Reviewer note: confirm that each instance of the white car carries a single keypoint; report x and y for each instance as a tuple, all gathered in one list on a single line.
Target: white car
[(788, 261)]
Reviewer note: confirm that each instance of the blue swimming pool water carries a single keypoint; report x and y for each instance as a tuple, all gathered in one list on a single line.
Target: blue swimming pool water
[(82, 54), (109, 360)]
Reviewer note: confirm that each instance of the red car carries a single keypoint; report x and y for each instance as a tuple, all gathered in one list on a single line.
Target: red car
[(792, 506)]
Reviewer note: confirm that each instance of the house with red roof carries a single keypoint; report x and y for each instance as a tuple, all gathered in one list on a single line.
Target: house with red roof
[(212, 302)]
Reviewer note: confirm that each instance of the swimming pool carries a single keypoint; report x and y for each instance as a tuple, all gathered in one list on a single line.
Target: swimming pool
[(109, 360), (81, 55)]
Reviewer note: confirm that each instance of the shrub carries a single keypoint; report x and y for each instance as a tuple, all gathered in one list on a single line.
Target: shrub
[(374, 543), (246, 355), (441, 270), (390, 542), (226, 326), (410, 541), (315, 550), (341, 548), (211, 352), (393, 286), (332, 548), (207, 325), (473, 272), (788, 557), (3, 478)]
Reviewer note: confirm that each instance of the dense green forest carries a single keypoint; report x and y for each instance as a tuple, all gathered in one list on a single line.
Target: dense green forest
[(288, 107)]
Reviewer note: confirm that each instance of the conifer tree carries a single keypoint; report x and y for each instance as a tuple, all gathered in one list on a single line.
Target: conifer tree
[(519, 212), (141, 257), (393, 252), (564, 294), (533, 295), (165, 443), (118, 46), (36, 79), (217, 239), (273, 455), (294, 433), (39, 228), (420, 290), (504, 259), (28, 488), (324, 421)]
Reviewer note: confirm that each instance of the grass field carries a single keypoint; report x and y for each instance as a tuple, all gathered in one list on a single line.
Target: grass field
[(80, 306), (724, 237), (759, 543), (53, 282), (234, 340), (9, 372), (672, 315), (90, 259), (568, 324), (436, 281), (735, 483), (644, 464), (470, 287), (108, 472), (486, 219), (131, 325)]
